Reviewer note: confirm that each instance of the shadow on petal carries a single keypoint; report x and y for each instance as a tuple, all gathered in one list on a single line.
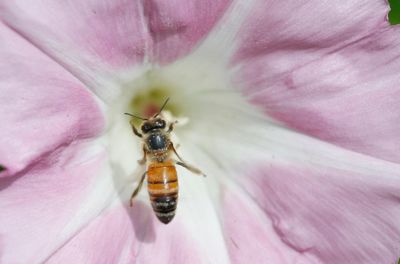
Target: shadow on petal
[(140, 215)]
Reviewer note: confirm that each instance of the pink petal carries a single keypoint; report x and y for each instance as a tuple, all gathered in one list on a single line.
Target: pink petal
[(44, 108), (307, 26), (107, 239), (119, 33), (37, 207), (177, 26), (249, 233), (335, 79), (102, 43), (131, 235), (335, 215), (110, 31), (326, 202)]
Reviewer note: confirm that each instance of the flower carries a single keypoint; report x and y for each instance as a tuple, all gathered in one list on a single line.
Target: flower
[(290, 109)]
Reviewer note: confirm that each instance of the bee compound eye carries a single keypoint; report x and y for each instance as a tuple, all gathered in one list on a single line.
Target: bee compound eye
[(145, 128), (161, 123)]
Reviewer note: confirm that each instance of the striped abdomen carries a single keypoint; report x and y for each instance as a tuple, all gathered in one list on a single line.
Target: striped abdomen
[(162, 184)]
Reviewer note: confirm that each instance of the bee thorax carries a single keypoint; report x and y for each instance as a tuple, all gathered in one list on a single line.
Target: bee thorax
[(157, 141)]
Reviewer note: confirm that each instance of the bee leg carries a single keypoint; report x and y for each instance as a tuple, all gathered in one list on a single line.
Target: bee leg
[(137, 189), (184, 164), (143, 160), (190, 168), (135, 131), (171, 126), (174, 150)]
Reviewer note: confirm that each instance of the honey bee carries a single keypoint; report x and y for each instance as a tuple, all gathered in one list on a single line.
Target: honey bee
[(158, 151)]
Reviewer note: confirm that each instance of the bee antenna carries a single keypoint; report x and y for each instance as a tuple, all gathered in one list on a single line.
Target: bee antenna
[(162, 107), (136, 116)]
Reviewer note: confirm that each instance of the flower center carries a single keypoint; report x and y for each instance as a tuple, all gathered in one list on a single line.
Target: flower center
[(202, 100), (148, 99)]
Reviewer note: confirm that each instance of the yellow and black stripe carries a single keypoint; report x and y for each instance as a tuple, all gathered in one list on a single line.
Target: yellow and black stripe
[(162, 185)]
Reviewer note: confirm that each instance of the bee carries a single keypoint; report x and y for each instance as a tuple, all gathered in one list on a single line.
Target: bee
[(158, 152)]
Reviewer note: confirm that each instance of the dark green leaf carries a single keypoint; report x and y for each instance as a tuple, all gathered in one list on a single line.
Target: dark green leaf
[(2, 168), (394, 14)]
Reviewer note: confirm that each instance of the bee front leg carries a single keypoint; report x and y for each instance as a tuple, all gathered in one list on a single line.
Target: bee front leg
[(137, 189), (171, 126), (135, 131), (144, 159)]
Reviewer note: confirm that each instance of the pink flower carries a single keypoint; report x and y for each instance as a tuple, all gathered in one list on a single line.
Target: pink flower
[(291, 109)]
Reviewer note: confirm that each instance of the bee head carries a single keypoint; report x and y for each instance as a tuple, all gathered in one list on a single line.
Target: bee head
[(153, 123)]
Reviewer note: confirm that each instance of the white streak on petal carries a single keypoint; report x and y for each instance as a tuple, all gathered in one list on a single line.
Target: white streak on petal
[(220, 42)]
